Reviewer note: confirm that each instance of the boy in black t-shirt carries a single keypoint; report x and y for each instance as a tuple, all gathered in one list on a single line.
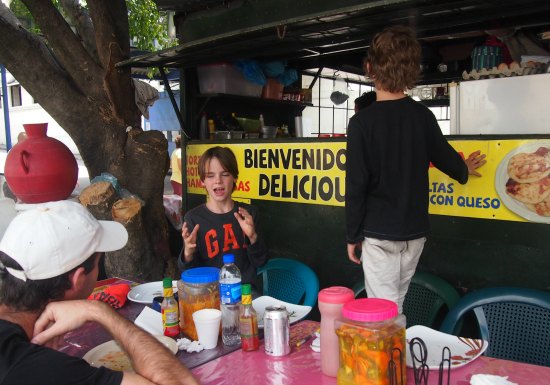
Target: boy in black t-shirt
[(222, 225), (389, 149)]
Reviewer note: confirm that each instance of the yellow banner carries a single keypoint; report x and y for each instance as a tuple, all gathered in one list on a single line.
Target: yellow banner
[(314, 173)]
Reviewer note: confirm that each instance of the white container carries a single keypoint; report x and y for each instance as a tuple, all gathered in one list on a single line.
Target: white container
[(207, 322), (225, 78)]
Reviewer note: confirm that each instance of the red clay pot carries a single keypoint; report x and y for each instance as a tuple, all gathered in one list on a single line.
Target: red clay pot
[(40, 169)]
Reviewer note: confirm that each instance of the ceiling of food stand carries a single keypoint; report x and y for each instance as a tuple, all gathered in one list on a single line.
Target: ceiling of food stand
[(336, 37)]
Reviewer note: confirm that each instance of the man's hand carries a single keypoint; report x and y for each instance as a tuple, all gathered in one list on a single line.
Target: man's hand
[(61, 317), (351, 252), (247, 224), (475, 160), (189, 241)]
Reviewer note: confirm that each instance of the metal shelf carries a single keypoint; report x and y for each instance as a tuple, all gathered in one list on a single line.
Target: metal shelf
[(252, 99), (436, 102)]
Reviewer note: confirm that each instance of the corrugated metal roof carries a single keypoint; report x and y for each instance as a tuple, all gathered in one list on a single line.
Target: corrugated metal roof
[(348, 30)]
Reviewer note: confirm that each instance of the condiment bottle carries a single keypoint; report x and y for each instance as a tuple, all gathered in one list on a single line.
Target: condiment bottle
[(331, 301), (203, 128), (371, 333), (169, 310), (211, 128), (248, 321)]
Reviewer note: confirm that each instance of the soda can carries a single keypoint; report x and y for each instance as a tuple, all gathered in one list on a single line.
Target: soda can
[(276, 331)]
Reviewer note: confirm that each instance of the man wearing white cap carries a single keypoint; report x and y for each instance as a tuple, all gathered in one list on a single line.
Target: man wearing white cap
[(49, 259)]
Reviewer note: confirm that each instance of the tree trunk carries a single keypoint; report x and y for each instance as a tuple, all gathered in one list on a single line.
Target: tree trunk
[(93, 102), (135, 261), (99, 198)]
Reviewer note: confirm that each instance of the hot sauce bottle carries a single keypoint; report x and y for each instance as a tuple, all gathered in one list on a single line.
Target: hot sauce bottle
[(169, 310), (248, 321)]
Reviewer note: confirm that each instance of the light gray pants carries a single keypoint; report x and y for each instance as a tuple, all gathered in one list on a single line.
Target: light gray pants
[(389, 267)]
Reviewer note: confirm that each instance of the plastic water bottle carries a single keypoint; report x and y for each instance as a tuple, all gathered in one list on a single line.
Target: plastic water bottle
[(230, 298)]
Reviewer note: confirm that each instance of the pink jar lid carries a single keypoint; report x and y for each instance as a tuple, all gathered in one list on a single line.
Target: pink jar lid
[(336, 294), (370, 310)]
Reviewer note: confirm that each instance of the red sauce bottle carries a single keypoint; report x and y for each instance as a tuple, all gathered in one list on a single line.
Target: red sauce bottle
[(248, 321)]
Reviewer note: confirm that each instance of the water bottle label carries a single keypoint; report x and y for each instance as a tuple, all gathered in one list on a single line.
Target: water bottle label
[(230, 293)]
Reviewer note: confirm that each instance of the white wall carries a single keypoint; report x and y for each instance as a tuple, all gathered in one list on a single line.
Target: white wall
[(514, 105), (30, 112)]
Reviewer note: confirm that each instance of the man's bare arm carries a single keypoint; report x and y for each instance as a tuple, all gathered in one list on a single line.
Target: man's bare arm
[(153, 363)]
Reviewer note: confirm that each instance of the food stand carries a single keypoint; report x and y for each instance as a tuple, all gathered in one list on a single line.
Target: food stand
[(479, 236)]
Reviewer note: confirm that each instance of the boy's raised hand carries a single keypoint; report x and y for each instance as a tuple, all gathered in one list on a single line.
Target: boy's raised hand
[(189, 241), (475, 160), (247, 224)]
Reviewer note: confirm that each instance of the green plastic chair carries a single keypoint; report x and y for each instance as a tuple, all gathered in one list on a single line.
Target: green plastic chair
[(428, 297), (290, 280), (515, 322)]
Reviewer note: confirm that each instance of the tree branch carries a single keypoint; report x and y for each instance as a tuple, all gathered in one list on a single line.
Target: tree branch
[(79, 17), (65, 44), (110, 20), (29, 60)]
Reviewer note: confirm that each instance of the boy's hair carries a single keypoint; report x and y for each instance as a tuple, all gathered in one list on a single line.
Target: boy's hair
[(394, 59), (225, 156), (34, 295), (365, 100)]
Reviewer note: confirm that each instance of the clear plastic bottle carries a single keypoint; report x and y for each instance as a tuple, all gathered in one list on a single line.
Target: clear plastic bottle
[(230, 298)]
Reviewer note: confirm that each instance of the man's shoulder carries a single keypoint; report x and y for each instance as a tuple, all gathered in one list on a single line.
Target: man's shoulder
[(8, 328)]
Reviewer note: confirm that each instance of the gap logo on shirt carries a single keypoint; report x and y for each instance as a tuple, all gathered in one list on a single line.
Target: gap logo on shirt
[(228, 239)]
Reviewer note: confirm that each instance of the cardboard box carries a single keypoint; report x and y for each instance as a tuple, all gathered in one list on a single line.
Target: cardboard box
[(225, 78)]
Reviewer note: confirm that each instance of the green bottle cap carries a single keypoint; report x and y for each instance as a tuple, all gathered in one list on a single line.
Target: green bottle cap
[(167, 282), (245, 289)]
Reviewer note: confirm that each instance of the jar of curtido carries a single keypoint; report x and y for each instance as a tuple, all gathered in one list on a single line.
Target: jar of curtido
[(197, 289), (368, 332)]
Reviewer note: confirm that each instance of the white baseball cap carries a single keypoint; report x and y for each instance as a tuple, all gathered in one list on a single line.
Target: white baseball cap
[(53, 238)]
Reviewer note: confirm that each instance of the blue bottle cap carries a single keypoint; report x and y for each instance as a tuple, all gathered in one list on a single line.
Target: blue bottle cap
[(201, 275), (228, 258)]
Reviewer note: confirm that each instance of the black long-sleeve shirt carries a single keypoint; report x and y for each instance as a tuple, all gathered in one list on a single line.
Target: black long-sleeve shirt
[(221, 234), (390, 146)]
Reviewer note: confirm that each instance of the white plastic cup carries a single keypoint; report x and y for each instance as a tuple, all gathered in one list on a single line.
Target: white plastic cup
[(207, 323)]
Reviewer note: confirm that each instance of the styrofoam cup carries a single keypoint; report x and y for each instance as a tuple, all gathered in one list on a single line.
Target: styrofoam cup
[(207, 323)]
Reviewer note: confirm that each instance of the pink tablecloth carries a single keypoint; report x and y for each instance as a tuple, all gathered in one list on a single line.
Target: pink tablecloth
[(303, 366)]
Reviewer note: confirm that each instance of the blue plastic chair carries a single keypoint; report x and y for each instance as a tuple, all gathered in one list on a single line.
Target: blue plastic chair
[(426, 300), (290, 281), (515, 322)]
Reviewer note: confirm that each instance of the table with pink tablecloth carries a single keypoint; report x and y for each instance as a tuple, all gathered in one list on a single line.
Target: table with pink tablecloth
[(227, 366), (303, 366)]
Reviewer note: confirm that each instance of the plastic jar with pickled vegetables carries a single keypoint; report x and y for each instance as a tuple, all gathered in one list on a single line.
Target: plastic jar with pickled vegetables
[(370, 334), (198, 289)]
